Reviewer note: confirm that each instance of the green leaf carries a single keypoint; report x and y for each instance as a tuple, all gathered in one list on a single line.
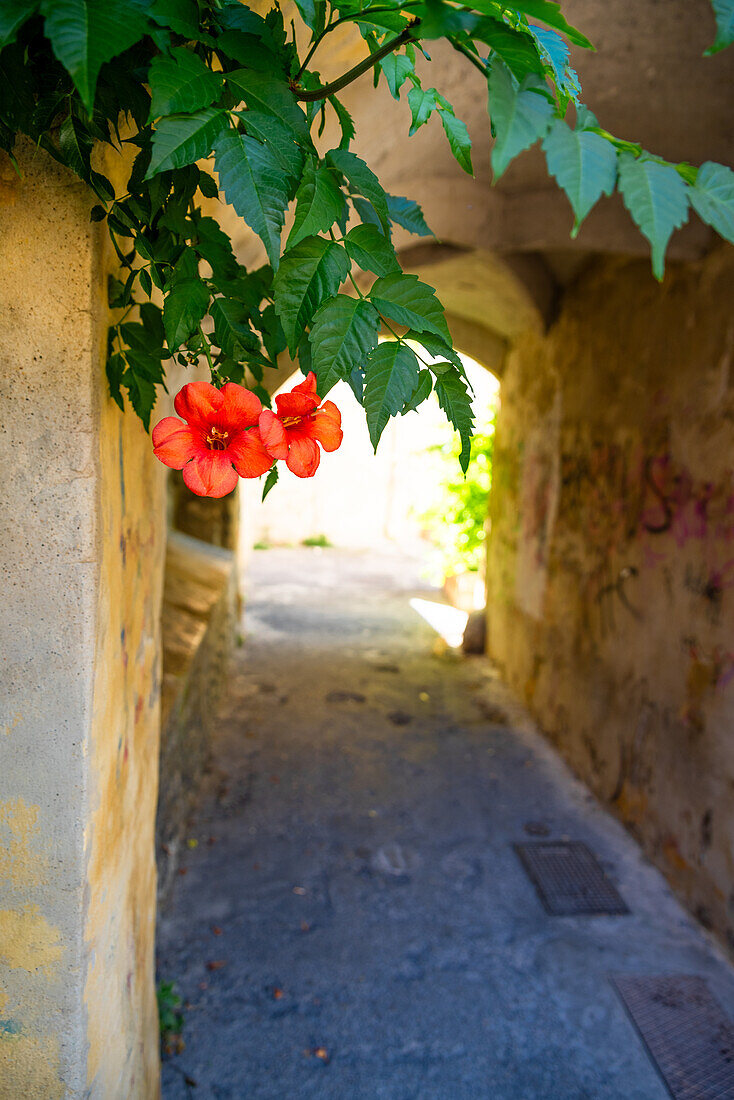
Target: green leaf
[(657, 199), (405, 299), (435, 347), (181, 83), (421, 102), (248, 50), (391, 374), (271, 480), (232, 331), (254, 184), (396, 67), (182, 16), (421, 393), (724, 13), (361, 179), (75, 145), (549, 12), (408, 214), (555, 53), (712, 197), (345, 121), (13, 14), (515, 47), (183, 308), (179, 140), (266, 93), (453, 398), (84, 34), (319, 203), (372, 250), (343, 333), (520, 115), (308, 274), (438, 20), (584, 165), (279, 139), (214, 246), (459, 139)]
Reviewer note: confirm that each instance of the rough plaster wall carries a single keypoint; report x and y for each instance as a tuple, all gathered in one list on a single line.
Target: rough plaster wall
[(119, 993), (80, 553), (611, 559), (48, 551)]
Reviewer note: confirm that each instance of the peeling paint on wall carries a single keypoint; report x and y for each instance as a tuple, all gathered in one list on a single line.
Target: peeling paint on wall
[(28, 941), (29, 1067), (21, 861)]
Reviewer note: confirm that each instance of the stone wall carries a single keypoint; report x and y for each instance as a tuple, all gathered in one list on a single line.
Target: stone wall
[(611, 557), (81, 554)]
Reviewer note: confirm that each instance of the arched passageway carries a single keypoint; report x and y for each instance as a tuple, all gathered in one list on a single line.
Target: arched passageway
[(353, 920)]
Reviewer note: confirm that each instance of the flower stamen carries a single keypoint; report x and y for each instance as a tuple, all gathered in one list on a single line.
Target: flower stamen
[(217, 440)]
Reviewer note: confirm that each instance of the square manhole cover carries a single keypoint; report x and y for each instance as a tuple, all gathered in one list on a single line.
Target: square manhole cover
[(686, 1033), (569, 879)]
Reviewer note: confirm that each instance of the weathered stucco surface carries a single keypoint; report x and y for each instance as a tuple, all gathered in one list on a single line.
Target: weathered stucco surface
[(200, 605), (611, 558), (81, 557)]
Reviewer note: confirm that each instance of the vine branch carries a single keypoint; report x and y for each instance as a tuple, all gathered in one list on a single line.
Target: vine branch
[(312, 95)]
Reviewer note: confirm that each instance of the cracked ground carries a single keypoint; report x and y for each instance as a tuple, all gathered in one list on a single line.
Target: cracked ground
[(354, 921)]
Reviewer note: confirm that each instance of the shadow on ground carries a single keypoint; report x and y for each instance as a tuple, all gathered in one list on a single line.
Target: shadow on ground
[(354, 921)]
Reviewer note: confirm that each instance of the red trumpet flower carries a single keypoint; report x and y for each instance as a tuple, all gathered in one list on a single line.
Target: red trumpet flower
[(219, 439), (301, 423)]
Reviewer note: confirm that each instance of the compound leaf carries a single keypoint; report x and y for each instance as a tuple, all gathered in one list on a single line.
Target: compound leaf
[(309, 273), (657, 199), (372, 250), (254, 184), (520, 114), (179, 140), (343, 333), (453, 398), (459, 139), (319, 203), (584, 165), (85, 34), (405, 299), (391, 376), (712, 197), (181, 82)]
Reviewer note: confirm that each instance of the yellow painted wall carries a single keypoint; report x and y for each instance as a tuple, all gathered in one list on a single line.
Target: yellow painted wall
[(82, 565)]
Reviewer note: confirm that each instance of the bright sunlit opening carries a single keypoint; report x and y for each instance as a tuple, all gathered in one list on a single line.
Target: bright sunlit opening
[(449, 622)]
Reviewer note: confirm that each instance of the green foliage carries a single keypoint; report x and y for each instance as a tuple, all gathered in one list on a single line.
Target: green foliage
[(170, 1017), (656, 197), (343, 333), (308, 274), (253, 182), (189, 86), (712, 197), (724, 13), (457, 518), (520, 113), (320, 541), (391, 377), (453, 397), (584, 165)]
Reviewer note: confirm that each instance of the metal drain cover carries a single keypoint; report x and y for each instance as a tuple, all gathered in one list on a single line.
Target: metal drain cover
[(568, 878), (686, 1033)]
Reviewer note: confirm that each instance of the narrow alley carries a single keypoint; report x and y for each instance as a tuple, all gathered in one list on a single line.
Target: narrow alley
[(351, 919)]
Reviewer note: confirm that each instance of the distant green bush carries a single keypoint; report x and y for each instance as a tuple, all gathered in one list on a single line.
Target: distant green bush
[(456, 520)]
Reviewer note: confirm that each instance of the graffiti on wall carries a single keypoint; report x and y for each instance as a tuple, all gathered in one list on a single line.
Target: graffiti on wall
[(539, 492), (622, 498)]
